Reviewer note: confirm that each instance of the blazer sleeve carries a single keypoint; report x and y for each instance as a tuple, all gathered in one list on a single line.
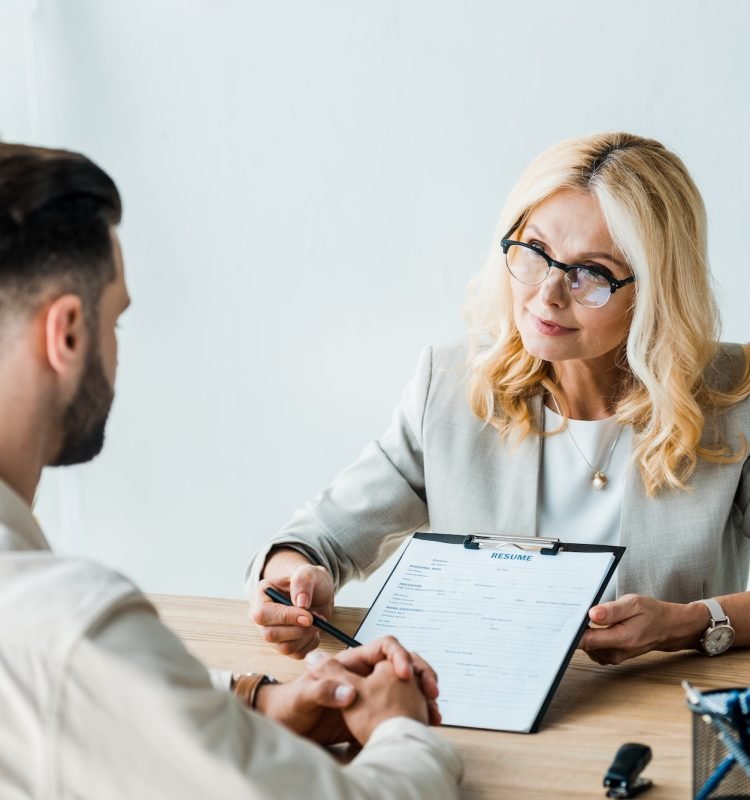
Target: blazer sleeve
[(355, 523)]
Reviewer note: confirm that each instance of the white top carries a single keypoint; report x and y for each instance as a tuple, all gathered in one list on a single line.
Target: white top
[(99, 700), (570, 508)]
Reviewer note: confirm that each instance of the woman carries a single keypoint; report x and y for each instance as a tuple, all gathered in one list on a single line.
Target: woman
[(592, 402)]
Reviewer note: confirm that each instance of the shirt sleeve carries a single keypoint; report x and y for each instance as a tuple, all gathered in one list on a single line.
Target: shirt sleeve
[(220, 679), (360, 518), (139, 713)]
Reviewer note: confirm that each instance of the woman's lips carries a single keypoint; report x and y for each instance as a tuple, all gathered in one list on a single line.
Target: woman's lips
[(550, 328)]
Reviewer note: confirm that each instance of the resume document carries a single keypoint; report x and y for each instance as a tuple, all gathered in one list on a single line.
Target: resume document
[(498, 625)]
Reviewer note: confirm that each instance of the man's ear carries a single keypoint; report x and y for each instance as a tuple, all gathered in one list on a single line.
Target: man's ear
[(65, 335)]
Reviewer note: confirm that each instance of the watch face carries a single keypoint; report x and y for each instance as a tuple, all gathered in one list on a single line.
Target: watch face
[(718, 640)]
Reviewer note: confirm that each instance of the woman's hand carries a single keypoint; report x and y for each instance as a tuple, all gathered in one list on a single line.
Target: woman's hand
[(310, 587), (363, 660), (635, 624)]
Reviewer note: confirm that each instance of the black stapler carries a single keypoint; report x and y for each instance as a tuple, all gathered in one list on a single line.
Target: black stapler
[(623, 777)]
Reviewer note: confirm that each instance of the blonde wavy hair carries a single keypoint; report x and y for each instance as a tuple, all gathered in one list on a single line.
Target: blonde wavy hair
[(656, 217)]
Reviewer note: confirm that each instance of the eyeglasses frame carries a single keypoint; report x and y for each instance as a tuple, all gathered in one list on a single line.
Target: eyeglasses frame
[(614, 283)]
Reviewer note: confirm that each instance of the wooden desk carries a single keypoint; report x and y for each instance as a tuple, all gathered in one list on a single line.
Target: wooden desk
[(595, 710)]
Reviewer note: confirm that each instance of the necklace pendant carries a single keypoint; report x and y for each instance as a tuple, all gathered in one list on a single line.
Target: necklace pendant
[(599, 481)]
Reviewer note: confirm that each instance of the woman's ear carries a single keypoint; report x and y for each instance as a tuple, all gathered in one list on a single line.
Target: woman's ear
[(65, 335)]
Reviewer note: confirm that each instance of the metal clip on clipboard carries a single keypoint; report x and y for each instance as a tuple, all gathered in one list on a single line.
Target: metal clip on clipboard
[(546, 546)]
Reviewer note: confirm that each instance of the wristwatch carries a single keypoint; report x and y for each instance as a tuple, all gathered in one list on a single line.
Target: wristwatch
[(719, 634)]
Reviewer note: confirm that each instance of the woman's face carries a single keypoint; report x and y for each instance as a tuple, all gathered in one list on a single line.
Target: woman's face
[(569, 227)]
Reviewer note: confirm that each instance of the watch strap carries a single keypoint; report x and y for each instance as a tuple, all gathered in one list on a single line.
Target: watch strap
[(716, 611), (246, 687)]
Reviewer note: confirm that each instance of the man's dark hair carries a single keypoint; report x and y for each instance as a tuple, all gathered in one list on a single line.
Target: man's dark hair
[(56, 211)]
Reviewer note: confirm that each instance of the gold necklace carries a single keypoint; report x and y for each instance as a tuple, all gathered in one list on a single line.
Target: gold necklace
[(599, 478)]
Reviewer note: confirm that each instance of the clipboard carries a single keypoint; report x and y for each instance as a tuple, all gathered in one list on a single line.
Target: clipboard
[(498, 617)]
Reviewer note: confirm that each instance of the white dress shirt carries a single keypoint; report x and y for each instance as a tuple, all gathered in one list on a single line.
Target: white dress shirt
[(570, 508), (99, 700)]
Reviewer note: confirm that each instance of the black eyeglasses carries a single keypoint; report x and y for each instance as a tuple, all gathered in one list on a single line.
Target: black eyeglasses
[(529, 264)]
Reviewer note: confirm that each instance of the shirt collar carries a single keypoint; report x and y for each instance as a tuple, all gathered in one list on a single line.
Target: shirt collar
[(18, 528)]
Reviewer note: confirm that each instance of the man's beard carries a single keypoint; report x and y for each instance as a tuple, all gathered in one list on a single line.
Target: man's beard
[(85, 417)]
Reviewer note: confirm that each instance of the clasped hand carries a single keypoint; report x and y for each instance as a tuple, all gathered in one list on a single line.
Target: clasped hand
[(345, 697)]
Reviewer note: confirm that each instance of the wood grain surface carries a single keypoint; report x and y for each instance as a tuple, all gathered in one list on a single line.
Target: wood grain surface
[(595, 710)]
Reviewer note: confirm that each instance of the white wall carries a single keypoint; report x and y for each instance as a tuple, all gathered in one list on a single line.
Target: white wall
[(17, 96), (308, 188)]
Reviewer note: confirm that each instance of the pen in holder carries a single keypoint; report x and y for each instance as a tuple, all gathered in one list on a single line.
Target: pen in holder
[(721, 743)]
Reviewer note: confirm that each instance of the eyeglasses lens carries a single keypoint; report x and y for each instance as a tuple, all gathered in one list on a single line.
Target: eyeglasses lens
[(586, 287), (526, 265)]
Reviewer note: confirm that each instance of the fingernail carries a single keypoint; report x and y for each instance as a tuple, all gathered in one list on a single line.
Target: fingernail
[(314, 658), (303, 620), (343, 692), (302, 600)]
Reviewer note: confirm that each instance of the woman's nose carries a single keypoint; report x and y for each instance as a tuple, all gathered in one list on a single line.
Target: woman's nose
[(554, 290)]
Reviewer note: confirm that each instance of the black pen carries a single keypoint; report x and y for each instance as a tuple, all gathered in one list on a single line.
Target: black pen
[(317, 621)]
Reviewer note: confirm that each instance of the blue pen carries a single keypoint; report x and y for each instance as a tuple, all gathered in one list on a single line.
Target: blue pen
[(317, 621)]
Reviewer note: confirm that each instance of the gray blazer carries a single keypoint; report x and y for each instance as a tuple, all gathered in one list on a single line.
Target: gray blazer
[(438, 467)]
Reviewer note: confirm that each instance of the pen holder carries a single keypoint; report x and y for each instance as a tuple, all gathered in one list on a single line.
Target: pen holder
[(721, 763)]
